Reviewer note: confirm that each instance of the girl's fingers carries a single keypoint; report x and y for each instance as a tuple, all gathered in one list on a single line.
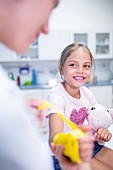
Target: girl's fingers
[(86, 156), (52, 147), (103, 134), (86, 146), (108, 137)]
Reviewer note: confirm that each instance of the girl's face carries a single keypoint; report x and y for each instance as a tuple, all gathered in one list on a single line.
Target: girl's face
[(77, 69)]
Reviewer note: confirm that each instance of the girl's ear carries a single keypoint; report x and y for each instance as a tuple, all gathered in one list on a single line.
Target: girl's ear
[(60, 70), (61, 73)]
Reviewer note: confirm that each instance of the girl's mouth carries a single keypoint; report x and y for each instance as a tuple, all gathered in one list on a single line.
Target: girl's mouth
[(79, 78)]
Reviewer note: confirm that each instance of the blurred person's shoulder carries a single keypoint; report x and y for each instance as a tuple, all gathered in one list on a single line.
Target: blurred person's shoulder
[(9, 91)]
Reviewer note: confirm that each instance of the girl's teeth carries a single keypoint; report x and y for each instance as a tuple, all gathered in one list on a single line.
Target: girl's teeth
[(79, 78)]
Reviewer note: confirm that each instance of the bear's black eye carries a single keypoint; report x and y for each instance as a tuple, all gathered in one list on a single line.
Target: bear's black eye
[(108, 111), (93, 108)]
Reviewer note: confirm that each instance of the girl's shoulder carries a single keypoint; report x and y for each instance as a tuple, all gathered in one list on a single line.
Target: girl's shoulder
[(87, 94), (57, 95), (85, 89), (58, 89), (57, 98)]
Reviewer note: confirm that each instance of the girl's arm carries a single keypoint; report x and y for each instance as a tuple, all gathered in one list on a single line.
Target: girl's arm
[(56, 125)]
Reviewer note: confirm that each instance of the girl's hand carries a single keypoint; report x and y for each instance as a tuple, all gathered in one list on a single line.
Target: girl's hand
[(103, 134)]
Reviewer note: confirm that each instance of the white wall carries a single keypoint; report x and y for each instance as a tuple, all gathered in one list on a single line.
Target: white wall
[(83, 14)]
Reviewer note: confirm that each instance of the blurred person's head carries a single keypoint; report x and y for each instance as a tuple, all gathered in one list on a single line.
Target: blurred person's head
[(21, 21)]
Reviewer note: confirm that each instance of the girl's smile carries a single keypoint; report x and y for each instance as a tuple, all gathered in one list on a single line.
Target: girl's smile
[(79, 78)]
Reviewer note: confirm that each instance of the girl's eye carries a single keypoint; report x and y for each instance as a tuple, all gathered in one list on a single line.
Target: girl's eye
[(87, 66), (73, 65)]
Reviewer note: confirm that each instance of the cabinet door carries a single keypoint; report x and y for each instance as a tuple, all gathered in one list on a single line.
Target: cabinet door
[(45, 93), (82, 36), (52, 44), (103, 95), (102, 44), (32, 93)]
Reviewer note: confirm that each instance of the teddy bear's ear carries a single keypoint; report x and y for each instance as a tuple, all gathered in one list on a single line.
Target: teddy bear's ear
[(111, 112)]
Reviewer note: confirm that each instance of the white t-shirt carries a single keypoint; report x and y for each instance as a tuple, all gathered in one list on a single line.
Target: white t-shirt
[(20, 147), (72, 108)]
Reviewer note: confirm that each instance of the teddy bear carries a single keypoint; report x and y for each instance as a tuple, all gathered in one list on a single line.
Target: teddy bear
[(99, 117)]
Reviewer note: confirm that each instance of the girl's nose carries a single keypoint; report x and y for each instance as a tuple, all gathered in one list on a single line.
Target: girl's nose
[(80, 69)]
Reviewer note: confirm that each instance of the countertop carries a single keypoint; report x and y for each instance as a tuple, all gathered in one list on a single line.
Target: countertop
[(101, 83), (104, 83), (35, 87)]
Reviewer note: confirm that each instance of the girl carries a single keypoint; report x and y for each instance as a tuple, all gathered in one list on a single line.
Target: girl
[(72, 99)]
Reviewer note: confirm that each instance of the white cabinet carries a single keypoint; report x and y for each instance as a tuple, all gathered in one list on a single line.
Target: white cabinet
[(103, 95), (82, 36), (102, 41), (45, 93), (34, 93), (98, 41), (52, 44)]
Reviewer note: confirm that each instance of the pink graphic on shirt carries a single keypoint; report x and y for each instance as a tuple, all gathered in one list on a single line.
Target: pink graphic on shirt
[(79, 116)]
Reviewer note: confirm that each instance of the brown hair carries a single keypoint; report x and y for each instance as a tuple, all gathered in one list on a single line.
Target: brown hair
[(70, 49)]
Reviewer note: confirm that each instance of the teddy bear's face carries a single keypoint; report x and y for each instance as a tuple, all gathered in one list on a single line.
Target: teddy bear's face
[(99, 116)]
